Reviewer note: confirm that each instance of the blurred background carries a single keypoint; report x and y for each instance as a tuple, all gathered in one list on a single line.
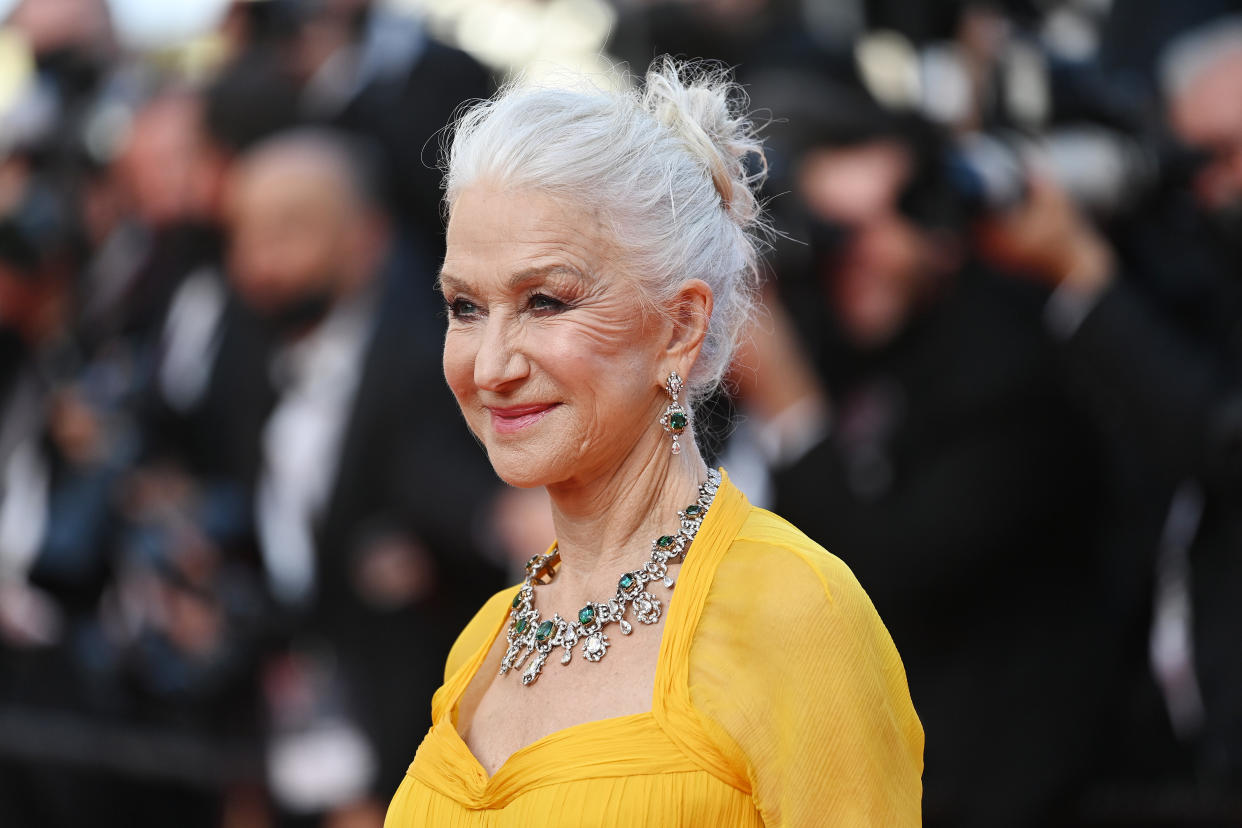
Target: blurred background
[(998, 371)]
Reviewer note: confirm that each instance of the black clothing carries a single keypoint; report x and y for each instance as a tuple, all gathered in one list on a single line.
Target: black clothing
[(1179, 397), (961, 487), (407, 467), (406, 118)]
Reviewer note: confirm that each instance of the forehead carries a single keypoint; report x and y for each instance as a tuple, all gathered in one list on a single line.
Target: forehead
[(292, 183), (1209, 110), (495, 232), (310, 210)]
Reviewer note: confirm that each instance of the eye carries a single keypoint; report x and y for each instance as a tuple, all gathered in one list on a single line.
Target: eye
[(462, 308), (545, 303)]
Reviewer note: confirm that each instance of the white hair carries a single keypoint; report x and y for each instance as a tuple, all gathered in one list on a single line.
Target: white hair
[(671, 168), (1191, 54)]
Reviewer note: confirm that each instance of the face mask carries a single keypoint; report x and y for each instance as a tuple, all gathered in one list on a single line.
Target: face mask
[(299, 315), (828, 239), (1226, 223)]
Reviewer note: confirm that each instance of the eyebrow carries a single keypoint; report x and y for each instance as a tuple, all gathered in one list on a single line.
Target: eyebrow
[(519, 278)]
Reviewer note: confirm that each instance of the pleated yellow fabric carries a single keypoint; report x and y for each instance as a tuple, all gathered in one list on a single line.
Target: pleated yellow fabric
[(779, 700)]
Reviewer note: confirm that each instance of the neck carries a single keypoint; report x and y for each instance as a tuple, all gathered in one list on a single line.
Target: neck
[(605, 525)]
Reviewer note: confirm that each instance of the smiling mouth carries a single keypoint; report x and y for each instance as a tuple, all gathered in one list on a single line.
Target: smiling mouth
[(516, 418)]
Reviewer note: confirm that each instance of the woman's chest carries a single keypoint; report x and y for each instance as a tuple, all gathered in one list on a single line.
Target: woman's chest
[(499, 715)]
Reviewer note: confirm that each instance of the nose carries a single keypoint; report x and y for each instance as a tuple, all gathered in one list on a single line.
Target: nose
[(499, 363)]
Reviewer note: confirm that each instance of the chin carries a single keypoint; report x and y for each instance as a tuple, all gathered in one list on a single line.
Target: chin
[(519, 468), (531, 457), (521, 477)]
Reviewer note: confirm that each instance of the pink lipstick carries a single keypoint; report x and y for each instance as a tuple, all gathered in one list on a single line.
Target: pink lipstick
[(515, 418)]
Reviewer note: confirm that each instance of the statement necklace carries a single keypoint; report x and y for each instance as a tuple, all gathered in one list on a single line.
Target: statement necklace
[(528, 635)]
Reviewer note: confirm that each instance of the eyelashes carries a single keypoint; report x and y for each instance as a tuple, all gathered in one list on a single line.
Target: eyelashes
[(461, 308), (540, 304), (543, 302)]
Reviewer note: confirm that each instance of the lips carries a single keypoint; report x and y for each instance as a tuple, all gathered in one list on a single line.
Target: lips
[(515, 418)]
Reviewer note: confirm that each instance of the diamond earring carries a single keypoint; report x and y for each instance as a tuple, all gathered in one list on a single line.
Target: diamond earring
[(675, 419)]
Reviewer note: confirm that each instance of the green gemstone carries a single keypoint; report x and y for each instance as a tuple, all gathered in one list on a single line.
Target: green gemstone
[(521, 624), (664, 541), (587, 614), (693, 509), (627, 581), (544, 632), (517, 599), (677, 421)]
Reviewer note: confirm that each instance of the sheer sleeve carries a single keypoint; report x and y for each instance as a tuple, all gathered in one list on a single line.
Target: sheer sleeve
[(792, 662)]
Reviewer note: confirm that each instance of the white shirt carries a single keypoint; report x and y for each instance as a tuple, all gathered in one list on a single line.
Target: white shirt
[(302, 442)]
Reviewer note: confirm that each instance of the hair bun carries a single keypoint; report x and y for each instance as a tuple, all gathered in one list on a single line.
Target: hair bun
[(701, 103)]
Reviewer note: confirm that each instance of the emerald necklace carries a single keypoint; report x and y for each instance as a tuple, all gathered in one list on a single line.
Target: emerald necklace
[(529, 636)]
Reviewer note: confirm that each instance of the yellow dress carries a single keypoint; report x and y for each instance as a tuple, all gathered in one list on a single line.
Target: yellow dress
[(779, 700)]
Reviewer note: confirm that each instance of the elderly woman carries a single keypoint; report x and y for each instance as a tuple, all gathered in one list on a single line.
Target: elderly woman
[(678, 657)]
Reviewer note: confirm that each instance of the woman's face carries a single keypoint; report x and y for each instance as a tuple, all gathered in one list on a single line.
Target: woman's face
[(549, 352)]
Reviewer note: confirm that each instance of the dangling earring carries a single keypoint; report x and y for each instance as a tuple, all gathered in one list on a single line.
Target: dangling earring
[(674, 418)]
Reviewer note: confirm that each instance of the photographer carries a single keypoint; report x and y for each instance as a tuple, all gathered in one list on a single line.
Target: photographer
[(956, 477), (1150, 326)]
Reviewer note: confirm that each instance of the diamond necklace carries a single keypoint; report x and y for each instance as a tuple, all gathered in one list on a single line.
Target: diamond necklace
[(528, 635)]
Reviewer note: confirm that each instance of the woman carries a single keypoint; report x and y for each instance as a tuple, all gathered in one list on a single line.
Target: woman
[(678, 657)]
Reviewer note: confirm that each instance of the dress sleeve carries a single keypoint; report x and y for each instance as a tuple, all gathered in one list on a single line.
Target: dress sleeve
[(792, 662)]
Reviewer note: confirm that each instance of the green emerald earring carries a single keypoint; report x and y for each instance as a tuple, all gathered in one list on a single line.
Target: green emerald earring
[(675, 419)]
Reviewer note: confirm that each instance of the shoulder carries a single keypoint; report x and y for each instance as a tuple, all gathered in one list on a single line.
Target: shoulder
[(781, 605), (771, 557), (478, 633), (802, 685)]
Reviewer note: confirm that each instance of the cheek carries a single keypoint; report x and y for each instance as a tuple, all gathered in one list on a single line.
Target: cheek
[(316, 252), (459, 366), (593, 358), (608, 381)]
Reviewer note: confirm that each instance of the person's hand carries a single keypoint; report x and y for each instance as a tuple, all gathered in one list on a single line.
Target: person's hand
[(1047, 239), (776, 381), (29, 617)]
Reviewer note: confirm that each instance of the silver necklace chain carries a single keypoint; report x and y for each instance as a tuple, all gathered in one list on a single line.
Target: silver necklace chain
[(529, 636)]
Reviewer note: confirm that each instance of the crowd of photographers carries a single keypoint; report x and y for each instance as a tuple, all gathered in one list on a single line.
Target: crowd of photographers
[(998, 372), (241, 517), (1001, 379)]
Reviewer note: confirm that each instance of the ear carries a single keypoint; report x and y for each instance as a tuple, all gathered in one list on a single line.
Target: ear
[(690, 313), (369, 235)]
